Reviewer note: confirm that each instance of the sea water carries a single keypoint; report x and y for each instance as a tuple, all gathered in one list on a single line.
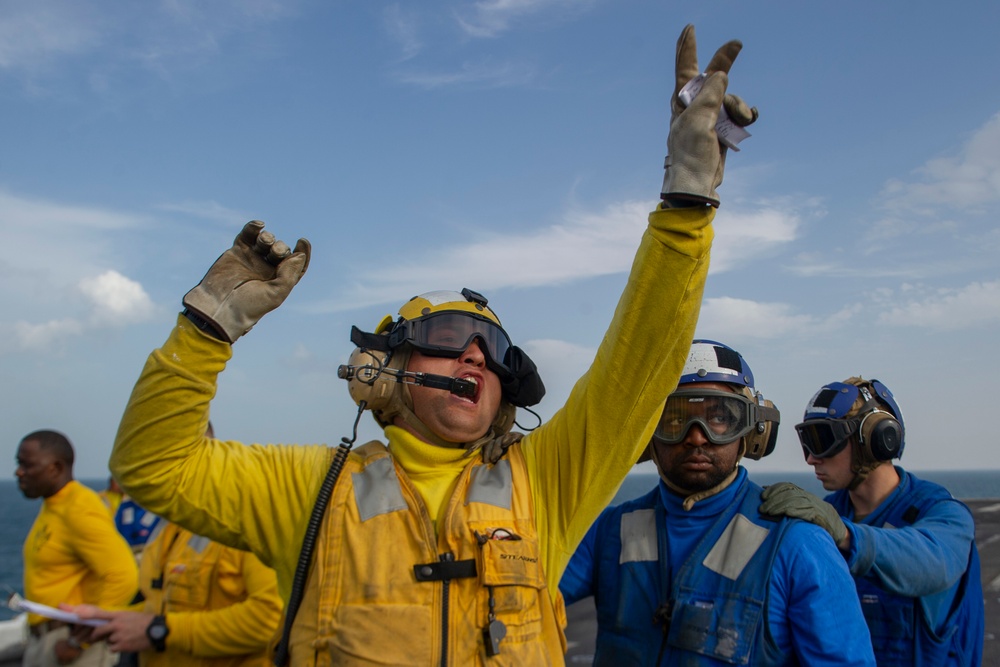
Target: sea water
[(18, 513)]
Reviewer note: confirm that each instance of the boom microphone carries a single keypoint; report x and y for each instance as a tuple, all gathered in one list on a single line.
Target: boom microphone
[(457, 386)]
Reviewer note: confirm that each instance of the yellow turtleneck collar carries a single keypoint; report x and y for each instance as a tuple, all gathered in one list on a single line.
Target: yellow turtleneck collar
[(433, 470)]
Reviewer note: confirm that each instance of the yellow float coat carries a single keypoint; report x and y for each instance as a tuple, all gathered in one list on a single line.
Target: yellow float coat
[(221, 604), (259, 497)]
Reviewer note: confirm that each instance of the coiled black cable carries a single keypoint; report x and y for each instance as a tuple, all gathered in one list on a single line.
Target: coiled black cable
[(282, 652)]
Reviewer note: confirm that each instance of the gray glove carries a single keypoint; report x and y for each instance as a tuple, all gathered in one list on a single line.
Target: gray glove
[(786, 499), (247, 281), (695, 158)]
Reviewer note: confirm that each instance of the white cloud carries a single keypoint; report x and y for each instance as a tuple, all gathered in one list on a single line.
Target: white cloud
[(560, 365), (730, 319), (43, 337), (117, 299), (402, 27), (208, 210), (35, 31), (948, 309), (586, 244), (65, 253), (483, 75), (490, 18), (35, 214), (59, 243), (968, 180), (110, 300), (744, 236)]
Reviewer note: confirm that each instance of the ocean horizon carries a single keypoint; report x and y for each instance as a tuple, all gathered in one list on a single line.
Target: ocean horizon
[(19, 512), (963, 484)]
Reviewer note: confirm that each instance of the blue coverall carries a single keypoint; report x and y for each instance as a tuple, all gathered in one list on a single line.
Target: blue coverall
[(916, 567), (727, 582)]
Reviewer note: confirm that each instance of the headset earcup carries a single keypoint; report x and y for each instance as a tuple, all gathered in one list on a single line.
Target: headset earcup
[(761, 443), (882, 436), (368, 383), (525, 388)]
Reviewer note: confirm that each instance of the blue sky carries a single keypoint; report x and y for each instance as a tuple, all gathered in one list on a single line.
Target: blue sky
[(510, 146)]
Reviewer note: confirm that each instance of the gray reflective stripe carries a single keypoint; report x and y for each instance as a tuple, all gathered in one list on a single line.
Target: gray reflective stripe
[(491, 485), (638, 531), (735, 547), (157, 530), (376, 489), (197, 543)]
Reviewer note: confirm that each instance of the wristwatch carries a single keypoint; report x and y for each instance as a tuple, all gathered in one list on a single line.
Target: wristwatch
[(157, 632)]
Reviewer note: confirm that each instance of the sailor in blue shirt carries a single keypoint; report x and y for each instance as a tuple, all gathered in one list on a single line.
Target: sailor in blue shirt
[(910, 545), (692, 573)]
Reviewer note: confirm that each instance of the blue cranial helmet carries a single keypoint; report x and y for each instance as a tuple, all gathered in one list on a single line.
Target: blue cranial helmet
[(755, 419)]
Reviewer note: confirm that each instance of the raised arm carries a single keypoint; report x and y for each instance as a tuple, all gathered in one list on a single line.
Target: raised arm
[(579, 458), (162, 458)]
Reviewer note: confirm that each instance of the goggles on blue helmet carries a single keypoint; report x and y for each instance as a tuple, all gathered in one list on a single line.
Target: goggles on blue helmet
[(450, 333), (722, 416), (826, 429), (824, 438)]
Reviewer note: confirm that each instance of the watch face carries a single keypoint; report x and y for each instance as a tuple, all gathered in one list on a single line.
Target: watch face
[(157, 632)]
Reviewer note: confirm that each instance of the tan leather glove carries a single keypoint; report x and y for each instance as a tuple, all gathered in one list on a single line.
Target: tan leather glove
[(786, 499), (247, 281), (695, 158)]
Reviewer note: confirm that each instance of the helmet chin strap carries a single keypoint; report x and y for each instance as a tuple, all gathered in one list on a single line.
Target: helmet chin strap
[(691, 498), (861, 472), (861, 465)]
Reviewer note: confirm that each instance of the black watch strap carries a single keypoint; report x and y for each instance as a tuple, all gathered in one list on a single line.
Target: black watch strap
[(157, 632)]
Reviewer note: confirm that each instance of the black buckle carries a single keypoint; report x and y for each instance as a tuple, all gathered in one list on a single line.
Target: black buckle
[(445, 570)]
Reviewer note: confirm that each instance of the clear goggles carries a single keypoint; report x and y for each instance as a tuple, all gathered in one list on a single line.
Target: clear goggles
[(722, 416), (824, 438), (450, 333)]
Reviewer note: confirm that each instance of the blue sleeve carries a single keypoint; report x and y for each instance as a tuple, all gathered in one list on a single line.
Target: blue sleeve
[(578, 580), (813, 608), (921, 559)]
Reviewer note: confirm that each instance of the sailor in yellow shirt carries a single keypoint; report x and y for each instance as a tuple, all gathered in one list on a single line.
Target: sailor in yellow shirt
[(445, 545), (206, 605), (72, 555)]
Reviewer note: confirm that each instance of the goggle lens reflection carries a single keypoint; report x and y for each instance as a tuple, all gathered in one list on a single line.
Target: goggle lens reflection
[(449, 334), (722, 416), (824, 438)]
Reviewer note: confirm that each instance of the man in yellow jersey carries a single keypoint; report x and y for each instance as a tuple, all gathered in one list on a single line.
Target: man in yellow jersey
[(204, 605), (72, 555), (444, 544)]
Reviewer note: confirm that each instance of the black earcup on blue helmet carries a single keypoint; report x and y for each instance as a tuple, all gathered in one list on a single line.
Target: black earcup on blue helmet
[(881, 435)]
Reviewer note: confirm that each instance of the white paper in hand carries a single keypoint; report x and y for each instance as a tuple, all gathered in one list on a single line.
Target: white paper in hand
[(18, 603), (730, 134)]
